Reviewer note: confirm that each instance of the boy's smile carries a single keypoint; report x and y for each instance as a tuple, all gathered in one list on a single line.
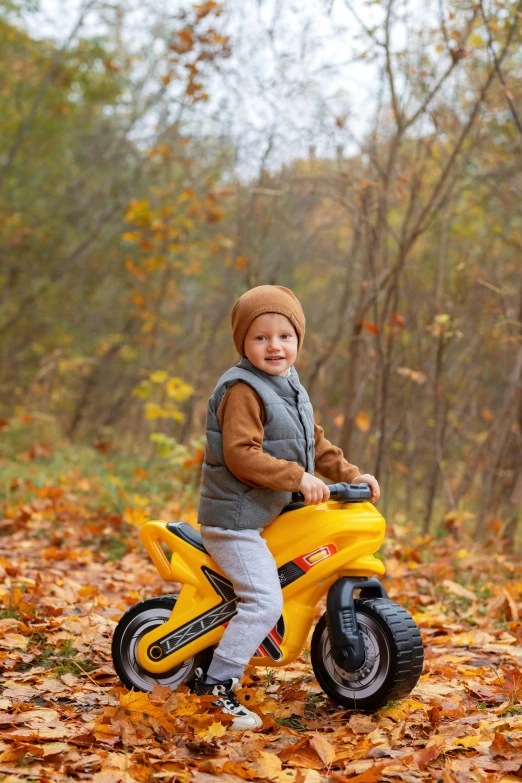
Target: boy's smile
[(271, 343)]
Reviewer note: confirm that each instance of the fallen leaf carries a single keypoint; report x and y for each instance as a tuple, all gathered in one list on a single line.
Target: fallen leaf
[(456, 589), (324, 749)]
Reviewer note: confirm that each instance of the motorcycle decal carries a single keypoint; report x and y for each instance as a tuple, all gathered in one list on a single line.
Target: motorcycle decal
[(205, 622), (270, 647), (227, 608), (291, 571)]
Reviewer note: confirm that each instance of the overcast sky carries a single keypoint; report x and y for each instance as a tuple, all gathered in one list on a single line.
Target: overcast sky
[(292, 71)]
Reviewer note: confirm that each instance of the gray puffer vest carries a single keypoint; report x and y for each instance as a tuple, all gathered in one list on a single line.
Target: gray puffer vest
[(226, 501)]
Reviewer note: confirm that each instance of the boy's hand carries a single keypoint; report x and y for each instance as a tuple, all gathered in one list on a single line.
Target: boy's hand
[(372, 482), (313, 489)]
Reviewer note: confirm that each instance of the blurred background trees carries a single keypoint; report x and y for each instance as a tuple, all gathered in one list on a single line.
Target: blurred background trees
[(155, 165)]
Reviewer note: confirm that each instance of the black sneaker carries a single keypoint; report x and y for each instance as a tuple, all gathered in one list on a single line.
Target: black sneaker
[(243, 719)]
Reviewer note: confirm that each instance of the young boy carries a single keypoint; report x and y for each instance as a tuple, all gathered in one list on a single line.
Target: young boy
[(262, 445)]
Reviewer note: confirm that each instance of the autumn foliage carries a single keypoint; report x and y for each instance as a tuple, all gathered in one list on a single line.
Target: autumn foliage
[(148, 180), (65, 716)]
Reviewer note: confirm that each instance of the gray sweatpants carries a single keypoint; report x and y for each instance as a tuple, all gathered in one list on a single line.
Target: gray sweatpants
[(245, 559)]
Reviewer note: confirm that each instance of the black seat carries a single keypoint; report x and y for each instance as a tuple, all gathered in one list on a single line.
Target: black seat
[(187, 533)]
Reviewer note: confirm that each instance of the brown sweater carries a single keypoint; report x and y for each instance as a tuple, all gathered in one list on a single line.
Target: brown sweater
[(241, 417)]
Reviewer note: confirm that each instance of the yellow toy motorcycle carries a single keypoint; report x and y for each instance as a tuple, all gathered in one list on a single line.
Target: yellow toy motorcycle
[(365, 650)]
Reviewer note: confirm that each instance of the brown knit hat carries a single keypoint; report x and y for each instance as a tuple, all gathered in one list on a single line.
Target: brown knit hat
[(266, 299)]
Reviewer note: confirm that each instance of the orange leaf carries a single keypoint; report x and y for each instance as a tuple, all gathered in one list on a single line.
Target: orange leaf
[(339, 420), (372, 775), (196, 460), (373, 328), (88, 591), (238, 769), (362, 421), (139, 704), (512, 681), (324, 749), (423, 757)]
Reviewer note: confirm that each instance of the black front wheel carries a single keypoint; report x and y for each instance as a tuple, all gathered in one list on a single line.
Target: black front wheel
[(393, 660), (139, 620)]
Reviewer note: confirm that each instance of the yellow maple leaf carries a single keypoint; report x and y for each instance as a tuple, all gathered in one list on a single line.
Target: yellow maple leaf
[(473, 741), (216, 729), (139, 704)]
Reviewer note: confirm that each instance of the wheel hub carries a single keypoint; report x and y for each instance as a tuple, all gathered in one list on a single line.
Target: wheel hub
[(128, 653), (358, 675), (366, 680)]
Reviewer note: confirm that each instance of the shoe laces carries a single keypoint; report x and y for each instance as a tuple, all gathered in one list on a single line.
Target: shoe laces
[(228, 685)]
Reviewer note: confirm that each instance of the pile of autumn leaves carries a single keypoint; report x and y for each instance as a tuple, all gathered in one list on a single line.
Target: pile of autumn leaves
[(64, 716)]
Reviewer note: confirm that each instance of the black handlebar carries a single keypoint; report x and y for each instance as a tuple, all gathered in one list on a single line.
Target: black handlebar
[(350, 493)]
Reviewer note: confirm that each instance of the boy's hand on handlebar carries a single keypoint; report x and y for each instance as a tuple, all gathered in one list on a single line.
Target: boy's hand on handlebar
[(313, 490), (372, 482)]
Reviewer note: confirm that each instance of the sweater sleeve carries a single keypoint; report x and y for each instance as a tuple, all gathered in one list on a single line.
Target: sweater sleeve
[(241, 417), (330, 461)]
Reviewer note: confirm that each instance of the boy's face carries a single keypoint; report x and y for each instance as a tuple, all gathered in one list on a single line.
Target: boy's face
[(271, 343)]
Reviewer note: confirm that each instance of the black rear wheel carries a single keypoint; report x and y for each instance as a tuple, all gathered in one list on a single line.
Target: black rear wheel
[(393, 663), (139, 620)]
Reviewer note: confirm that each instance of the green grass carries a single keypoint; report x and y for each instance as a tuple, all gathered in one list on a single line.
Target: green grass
[(116, 477), (512, 711), (63, 660), (9, 612), (291, 723), (314, 702)]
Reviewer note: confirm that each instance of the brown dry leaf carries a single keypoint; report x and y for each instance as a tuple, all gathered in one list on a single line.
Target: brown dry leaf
[(246, 773), (14, 641), (19, 692), (14, 753), (161, 694), (31, 735), (268, 765), (287, 709), (512, 606), (106, 733), (371, 775), (287, 752), (306, 756), (357, 767), (459, 590), (140, 772), (225, 777), (423, 757), (361, 724), (501, 746), (55, 748), (324, 749)]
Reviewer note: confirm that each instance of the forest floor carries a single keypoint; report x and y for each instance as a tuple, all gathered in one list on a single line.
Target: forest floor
[(70, 566)]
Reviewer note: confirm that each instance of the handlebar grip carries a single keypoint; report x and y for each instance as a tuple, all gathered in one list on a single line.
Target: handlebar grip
[(342, 491)]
